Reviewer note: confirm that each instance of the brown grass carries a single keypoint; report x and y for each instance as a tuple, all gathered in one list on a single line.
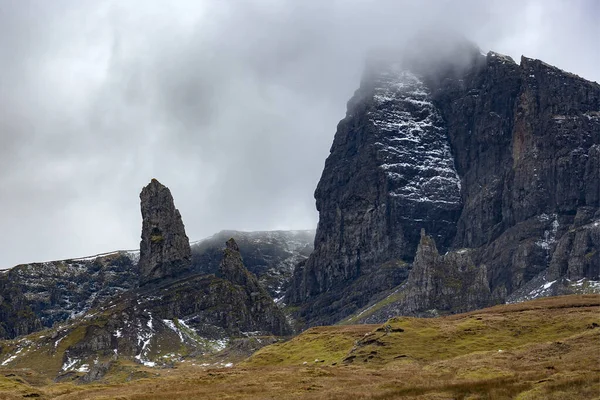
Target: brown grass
[(550, 350)]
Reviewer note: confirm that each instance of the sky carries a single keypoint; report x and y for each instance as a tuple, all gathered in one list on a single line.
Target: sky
[(231, 104)]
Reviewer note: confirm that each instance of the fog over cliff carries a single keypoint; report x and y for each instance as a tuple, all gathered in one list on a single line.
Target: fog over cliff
[(233, 105)]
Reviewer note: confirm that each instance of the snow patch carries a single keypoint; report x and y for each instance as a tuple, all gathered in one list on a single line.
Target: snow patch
[(171, 325), (220, 344), (12, 358), (549, 235), (69, 364), (547, 285), (412, 143), (84, 368), (143, 339), (253, 333)]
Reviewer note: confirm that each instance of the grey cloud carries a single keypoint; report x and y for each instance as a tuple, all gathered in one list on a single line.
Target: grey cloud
[(233, 105)]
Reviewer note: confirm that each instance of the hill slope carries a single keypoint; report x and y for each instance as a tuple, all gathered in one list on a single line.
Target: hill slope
[(37, 295), (547, 348)]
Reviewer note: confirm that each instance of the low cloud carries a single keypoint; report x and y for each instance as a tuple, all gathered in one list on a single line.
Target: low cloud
[(233, 105)]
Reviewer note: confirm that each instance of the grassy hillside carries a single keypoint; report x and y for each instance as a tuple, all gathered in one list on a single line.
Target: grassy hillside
[(543, 349)]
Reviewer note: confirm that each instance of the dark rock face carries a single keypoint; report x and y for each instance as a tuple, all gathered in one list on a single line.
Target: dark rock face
[(494, 157), (252, 309), (451, 282), (525, 139), (438, 284), (270, 255), (165, 248), (390, 173), (16, 315), (577, 253), (34, 296)]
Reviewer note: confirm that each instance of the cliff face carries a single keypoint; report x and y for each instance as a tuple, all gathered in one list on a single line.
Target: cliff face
[(165, 248), (33, 296), (270, 255), (38, 295), (494, 157), (525, 139)]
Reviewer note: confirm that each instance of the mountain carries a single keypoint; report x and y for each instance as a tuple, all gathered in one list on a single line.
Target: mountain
[(38, 295), (498, 163), (153, 311), (33, 296), (270, 255)]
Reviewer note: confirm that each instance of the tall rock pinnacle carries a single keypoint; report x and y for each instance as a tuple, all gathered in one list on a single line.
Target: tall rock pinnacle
[(165, 248)]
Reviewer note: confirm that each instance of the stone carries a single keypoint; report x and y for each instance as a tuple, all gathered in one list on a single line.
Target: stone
[(232, 268), (270, 255), (165, 248), (487, 155), (445, 283)]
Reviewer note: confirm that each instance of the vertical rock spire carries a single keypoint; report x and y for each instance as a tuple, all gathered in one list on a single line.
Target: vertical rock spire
[(232, 268), (165, 248)]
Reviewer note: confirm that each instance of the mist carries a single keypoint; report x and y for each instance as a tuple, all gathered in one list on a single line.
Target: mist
[(232, 105)]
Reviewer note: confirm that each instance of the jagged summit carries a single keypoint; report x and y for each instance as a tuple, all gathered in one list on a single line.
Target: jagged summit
[(485, 154), (232, 245), (165, 248), (232, 267), (114, 319)]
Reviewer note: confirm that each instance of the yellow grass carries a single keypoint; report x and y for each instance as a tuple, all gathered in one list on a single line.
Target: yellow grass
[(550, 349)]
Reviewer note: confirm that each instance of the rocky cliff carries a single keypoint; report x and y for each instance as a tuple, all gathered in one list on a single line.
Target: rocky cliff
[(173, 312), (494, 159), (33, 296), (270, 255), (39, 295), (165, 248)]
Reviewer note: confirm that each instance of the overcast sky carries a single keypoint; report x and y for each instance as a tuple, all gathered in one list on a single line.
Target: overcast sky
[(231, 104)]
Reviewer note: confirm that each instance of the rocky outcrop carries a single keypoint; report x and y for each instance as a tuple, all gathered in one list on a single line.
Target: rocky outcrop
[(487, 155), (232, 268), (38, 295), (437, 285), (165, 248), (577, 254), (34, 296), (270, 255), (525, 139), (163, 285), (447, 283), (156, 324)]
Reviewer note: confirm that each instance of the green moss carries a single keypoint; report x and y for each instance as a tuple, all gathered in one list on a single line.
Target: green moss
[(156, 238), (329, 344), (483, 373), (396, 296), (407, 339), (443, 338)]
